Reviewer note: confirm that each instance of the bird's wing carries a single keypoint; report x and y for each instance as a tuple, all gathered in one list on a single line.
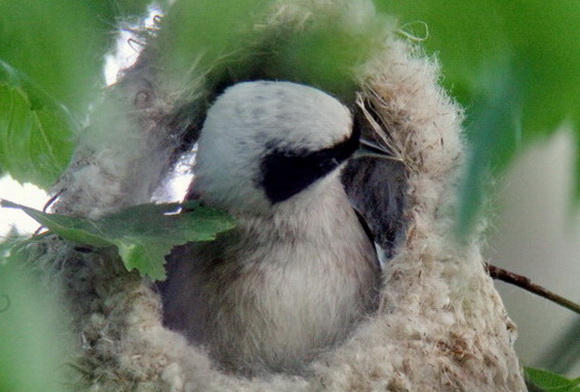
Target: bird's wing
[(376, 189)]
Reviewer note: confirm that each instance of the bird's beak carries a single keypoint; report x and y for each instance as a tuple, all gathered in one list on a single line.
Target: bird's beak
[(370, 149)]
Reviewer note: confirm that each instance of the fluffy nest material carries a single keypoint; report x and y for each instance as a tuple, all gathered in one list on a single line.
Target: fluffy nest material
[(441, 325)]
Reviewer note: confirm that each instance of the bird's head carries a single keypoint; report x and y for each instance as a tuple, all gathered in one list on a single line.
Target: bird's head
[(265, 142)]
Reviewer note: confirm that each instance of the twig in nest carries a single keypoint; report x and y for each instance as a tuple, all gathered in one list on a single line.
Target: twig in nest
[(528, 285)]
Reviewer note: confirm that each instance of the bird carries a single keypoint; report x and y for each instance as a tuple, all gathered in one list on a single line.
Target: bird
[(299, 271)]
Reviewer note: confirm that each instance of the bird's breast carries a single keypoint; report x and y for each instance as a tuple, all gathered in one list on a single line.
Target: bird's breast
[(273, 293)]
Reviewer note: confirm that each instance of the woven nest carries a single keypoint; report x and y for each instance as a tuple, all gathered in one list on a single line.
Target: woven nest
[(441, 325)]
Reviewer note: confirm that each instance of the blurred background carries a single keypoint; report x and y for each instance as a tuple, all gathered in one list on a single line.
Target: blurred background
[(536, 233)]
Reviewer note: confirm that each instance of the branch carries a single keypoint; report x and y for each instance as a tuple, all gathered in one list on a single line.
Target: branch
[(528, 285)]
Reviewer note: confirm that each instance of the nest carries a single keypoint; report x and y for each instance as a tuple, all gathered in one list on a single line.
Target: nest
[(441, 325)]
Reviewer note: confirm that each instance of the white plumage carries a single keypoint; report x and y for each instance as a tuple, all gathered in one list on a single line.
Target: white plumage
[(298, 271)]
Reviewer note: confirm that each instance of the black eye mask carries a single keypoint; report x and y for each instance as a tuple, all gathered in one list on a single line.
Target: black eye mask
[(287, 172)]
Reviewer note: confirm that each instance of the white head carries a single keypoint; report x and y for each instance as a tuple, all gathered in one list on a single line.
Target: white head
[(264, 142)]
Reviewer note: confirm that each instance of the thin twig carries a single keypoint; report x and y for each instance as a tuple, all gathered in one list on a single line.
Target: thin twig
[(51, 201), (528, 285)]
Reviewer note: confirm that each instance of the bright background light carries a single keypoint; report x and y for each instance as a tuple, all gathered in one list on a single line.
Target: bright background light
[(28, 195)]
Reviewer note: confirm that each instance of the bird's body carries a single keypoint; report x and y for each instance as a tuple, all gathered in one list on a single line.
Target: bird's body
[(298, 271)]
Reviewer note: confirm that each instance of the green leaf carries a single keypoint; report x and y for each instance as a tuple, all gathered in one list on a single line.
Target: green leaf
[(57, 44), (233, 41), (325, 54), (533, 42), (496, 135), (195, 33), (35, 143), (219, 27), (143, 235), (550, 381), (33, 341), (51, 68)]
